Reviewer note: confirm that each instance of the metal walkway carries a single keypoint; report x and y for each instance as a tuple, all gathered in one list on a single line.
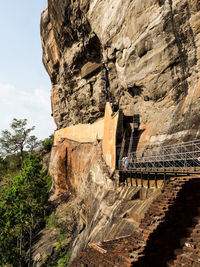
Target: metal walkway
[(175, 160), (181, 156)]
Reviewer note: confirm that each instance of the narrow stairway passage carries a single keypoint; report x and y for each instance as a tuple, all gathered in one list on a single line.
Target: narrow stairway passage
[(165, 240)]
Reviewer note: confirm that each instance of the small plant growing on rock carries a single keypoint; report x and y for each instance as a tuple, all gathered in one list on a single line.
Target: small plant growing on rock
[(52, 221), (64, 260)]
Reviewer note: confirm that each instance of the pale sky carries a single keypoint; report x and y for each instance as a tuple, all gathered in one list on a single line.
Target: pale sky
[(24, 84)]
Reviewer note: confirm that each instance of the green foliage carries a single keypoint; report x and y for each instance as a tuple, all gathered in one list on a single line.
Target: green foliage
[(61, 259), (23, 199), (22, 207), (3, 167), (63, 240), (2, 163), (32, 144), (61, 255), (9, 167), (64, 260), (52, 221), (47, 143), (18, 139), (12, 162)]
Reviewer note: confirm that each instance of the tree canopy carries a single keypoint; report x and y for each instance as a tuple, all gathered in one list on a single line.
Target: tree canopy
[(18, 140), (24, 188), (22, 210)]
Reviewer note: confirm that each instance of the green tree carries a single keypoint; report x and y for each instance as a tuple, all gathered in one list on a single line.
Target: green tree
[(33, 144), (3, 167), (18, 139), (22, 211), (47, 143)]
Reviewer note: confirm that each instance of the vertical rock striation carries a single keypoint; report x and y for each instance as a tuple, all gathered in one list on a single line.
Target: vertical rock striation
[(151, 52)]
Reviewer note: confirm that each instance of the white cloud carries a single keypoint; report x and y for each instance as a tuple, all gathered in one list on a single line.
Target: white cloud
[(20, 104)]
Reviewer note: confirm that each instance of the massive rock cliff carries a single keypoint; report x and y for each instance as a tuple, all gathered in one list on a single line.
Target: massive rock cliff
[(151, 53), (146, 56), (89, 205)]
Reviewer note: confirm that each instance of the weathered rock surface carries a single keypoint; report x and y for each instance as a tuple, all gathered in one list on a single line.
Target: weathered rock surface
[(103, 210), (167, 236), (151, 51), (152, 58), (90, 205)]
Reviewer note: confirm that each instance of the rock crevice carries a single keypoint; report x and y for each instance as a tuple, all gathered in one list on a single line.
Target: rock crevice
[(151, 53)]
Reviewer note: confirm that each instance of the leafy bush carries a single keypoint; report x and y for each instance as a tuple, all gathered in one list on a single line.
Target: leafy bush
[(47, 143), (64, 260), (22, 211)]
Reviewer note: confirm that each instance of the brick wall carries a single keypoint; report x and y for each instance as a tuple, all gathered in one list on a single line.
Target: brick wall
[(169, 234)]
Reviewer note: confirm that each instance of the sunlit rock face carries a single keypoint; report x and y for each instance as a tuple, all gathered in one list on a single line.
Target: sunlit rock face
[(152, 56), (102, 210), (151, 51)]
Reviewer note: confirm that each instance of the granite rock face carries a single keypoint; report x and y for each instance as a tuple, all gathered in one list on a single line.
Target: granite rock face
[(151, 53), (102, 210), (150, 57), (89, 206)]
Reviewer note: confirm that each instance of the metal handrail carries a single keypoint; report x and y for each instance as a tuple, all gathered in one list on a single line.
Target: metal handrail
[(182, 154)]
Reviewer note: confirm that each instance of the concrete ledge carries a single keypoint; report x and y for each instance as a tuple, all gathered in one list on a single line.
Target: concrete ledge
[(82, 133), (103, 129)]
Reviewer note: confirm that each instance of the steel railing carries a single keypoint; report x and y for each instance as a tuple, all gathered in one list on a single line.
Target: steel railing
[(181, 155)]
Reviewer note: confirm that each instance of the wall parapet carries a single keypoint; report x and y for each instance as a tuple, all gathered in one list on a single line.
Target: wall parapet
[(103, 129), (82, 133)]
